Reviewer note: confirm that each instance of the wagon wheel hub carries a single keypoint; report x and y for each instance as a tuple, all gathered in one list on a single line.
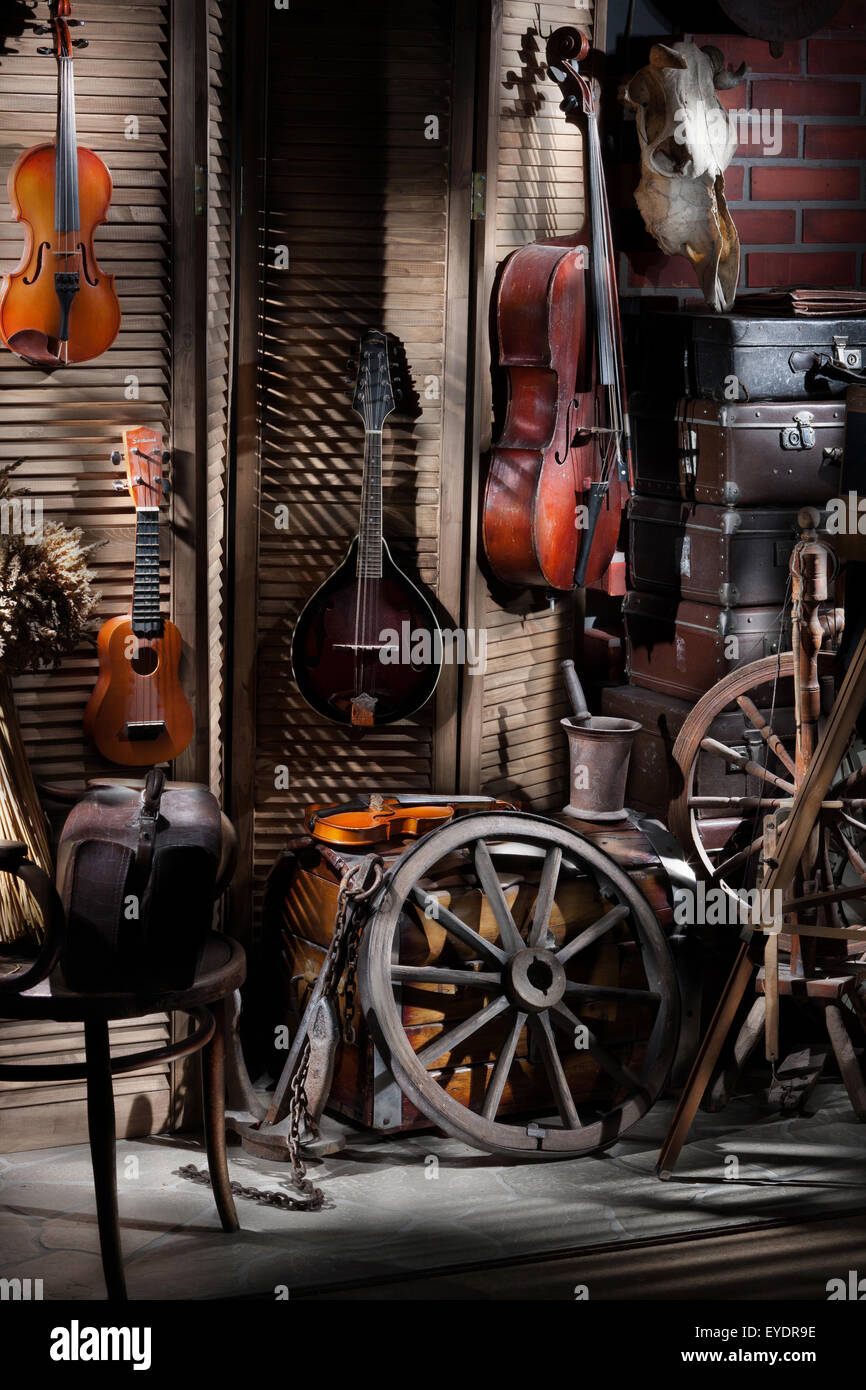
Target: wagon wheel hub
[(534, 980)]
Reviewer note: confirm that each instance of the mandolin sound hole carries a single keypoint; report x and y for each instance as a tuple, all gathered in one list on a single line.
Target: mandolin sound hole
[(145, 661)]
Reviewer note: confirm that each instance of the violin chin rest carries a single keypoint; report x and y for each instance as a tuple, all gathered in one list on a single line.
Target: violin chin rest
[(36, 347)]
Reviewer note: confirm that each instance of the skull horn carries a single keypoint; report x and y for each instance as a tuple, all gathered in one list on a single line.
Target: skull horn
[(723, 78)]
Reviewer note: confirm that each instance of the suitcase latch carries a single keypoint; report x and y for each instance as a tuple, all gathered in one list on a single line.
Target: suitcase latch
[(799, 435), (844, 356)]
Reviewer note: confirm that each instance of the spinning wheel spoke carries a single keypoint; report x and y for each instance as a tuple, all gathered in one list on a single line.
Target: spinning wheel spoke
[(546, 895), (592, 933), (858, 824), (489, 879), (855, 860), (447, 1041), (540, 1025), (439, 975), (757, 720), (730, 755), (563, 1016), (582, 991), (454, 924), (733, 862), (499, 1075)]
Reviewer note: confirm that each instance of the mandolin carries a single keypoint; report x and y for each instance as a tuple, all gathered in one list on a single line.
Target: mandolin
[(57, 307), (560, 469), (138, 714), (367, 648)]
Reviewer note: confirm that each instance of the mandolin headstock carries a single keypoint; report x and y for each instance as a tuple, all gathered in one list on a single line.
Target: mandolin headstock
[(144, 457), (376, 393)]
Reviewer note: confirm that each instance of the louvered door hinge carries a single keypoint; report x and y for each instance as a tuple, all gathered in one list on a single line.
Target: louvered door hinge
[(479, 197), (200, 189)]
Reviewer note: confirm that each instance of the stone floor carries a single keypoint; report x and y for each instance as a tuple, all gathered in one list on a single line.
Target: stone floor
[(405, 1204)]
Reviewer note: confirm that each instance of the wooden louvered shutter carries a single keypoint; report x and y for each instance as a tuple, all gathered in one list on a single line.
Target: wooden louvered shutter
[(354, 209), (512, 744)]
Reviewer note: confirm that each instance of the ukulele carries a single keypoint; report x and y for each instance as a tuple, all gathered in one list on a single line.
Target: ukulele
[(57, 306), (138, 714), (350, 654)]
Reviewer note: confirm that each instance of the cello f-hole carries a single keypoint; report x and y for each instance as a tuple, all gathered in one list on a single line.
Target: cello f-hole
[(38, 271)]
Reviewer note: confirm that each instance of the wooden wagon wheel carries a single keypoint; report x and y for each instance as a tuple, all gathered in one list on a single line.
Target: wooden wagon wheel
[(725, 833), (530, 975)]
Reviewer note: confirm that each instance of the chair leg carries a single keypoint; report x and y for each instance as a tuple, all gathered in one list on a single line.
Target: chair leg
[(101, 1128), (849, 1066), (213, 1076)]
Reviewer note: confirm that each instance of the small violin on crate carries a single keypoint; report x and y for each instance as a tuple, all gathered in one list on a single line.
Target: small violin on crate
[(58, 307), (138, 714), (377, 818)]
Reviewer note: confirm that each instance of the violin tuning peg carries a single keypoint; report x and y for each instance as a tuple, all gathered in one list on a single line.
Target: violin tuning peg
[(569, 103), (116, 456), (74, 23), (41, 29), (80, 43), (46, 52)]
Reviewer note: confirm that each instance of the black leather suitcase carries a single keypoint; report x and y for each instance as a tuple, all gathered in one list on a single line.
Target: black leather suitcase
[(719, 555), (772, 454), (744, 357)]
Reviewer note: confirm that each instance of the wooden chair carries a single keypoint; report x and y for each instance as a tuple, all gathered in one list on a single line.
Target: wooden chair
[(34, 990)]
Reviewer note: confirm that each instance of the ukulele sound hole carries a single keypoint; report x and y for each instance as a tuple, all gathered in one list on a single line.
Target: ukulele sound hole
[(145, 661)]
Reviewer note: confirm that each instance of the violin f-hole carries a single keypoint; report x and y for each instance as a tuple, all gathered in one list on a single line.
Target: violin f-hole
[(38, 271), (91, 280)]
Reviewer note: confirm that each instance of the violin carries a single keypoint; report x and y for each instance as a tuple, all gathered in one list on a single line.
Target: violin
[(138, 714), (560, 470), (380, 818), (58, 307)]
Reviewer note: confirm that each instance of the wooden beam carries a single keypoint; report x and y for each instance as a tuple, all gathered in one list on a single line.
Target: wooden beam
[(479, 431), (189, 158), (454, 522), (241, 581)]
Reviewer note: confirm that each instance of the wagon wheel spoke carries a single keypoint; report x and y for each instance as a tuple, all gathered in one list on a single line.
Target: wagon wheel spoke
[(592, 933), (540, 1024), (546, 896), (438, 975), (757, 720), (730, 755), (499, 1075), (508, 933), (445, 1042), (454, 924), (582, 991), (568, 1021)]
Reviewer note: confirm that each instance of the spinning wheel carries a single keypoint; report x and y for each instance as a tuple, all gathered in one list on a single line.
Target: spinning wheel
[(555, 958), (725, 832)]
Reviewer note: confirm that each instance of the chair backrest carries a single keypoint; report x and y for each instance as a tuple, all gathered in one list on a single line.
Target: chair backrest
[(22, 974)]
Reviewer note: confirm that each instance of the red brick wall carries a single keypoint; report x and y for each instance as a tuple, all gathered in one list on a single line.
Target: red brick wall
[(800, 214)]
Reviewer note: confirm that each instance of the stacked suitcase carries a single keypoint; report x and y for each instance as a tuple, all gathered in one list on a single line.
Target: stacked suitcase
[(738, 423)]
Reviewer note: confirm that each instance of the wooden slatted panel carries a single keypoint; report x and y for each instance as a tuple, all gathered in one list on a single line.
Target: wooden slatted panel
[(218, 344), (540, 193), (358, 197), (40, 1115), (66, 425)]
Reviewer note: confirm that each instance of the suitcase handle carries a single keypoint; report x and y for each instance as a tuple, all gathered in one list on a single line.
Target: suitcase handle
[(818, 364)]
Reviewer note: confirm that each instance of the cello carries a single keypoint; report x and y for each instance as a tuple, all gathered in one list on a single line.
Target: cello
[(57, 307), (560, 470)]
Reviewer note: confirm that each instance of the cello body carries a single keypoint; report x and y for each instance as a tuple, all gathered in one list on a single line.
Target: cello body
[(529, 528), (30, 312)]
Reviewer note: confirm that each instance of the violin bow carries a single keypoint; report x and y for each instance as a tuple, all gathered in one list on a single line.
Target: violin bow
[(565, 48)]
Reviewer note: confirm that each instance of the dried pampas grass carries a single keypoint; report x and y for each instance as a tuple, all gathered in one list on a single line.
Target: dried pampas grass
[(46, 599)]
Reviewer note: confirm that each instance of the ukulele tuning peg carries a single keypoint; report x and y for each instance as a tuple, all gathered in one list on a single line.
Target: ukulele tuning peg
[(116, 456), (166, 488), (166, 456), (351, 365)]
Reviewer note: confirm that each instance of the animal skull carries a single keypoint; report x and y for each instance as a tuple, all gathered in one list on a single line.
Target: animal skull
[(686, 144)]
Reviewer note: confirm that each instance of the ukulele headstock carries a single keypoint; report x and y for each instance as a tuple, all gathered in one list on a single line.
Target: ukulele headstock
[(144, 457), (375, 395), (60, 22)]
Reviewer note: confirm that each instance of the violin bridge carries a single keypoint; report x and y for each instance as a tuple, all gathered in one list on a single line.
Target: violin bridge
[(363, 710)]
